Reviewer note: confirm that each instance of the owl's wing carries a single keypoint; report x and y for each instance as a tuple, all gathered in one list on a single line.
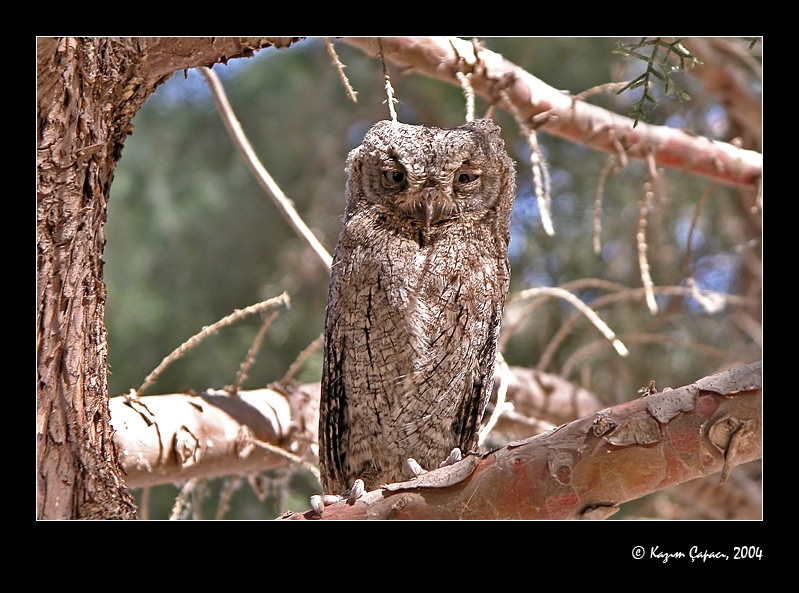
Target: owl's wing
[(473, 404), (331, 419)]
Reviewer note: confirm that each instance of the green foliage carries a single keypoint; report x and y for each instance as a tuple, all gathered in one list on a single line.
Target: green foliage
[(659, 66)]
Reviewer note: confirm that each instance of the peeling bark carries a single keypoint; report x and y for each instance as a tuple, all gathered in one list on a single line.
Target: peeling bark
[(174, 438), (171, 438)]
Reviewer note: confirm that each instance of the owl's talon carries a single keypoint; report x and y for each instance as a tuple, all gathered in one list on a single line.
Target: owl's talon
[(317, 504), (454, 457), (416, 469), (320, 501), (357, 490)]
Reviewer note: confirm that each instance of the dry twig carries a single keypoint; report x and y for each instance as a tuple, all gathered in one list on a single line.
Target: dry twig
[(279, 301), (285, 205), (351, 93)]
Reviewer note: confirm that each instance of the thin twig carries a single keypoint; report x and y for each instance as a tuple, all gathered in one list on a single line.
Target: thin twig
[(513, 319), (538, 166), (709, 302), (144, 507), (250, 358), (608, 87), (640, 240), (433, 56), (536, 425), (580, 354), (281, 300), (465, 80), (197, 495), (644, 338), (389, 89), (541, 182), (694, 221), (301, 358), (283, 204), (502, 391), (288, 455), (182, 499), (231, 485), (622, 294), (582, 307), (468, 93), (612, 164), (340, 69)]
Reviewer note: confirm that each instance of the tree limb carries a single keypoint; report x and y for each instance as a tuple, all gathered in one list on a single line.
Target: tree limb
[(495, 78), (585, 469), (173, 438)]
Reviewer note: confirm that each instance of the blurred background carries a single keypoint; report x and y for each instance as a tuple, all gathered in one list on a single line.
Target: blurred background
[(191, 235)]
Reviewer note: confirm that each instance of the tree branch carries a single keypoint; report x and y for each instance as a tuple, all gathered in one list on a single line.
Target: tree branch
[(727, 70), (549, 109), (173, 438), (587, 468), (263, 177)]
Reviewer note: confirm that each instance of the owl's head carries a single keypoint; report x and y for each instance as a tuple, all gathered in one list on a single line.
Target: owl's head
[(432, 175)]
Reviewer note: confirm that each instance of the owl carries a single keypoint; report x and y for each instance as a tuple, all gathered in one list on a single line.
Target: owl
[(418, 283)]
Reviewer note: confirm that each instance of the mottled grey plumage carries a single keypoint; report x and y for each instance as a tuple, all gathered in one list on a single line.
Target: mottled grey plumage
[(419, 279)]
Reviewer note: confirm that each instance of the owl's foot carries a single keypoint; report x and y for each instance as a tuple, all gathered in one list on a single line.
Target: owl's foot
[(417, 470), (357, 490), (454, 457), (320, 501)]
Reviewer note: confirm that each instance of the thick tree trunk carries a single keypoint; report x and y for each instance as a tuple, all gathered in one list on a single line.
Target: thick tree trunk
[(80, 136), (88, 91)]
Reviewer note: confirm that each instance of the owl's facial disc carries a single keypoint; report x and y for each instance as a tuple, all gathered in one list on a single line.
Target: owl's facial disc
[(429, 198)]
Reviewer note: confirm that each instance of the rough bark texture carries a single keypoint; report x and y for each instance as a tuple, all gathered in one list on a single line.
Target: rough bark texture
[(88, 90)]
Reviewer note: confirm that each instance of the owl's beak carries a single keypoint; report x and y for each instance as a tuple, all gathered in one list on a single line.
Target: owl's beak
[(429, 197), (427, 210)]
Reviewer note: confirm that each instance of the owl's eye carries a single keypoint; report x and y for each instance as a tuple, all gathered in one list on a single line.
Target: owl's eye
[(394, 177), (466, 177)]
